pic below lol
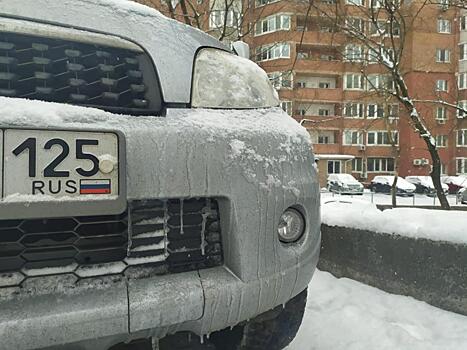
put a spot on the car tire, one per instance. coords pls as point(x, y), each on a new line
point(273, 330)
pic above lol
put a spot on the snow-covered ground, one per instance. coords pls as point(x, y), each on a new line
point(343, 314)
point(381, 198)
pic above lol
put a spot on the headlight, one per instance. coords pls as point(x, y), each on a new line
point(291, 226)
point(223, 80)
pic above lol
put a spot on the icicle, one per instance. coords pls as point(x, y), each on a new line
point(181, 216)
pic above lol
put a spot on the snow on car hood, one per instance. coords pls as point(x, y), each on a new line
point(388, 180)
point(456, 180)
point(347, 179)
point(425, 181)
point(169, 43)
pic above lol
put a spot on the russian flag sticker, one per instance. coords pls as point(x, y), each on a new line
point(94, 186)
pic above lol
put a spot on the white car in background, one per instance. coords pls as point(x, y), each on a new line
point(424, 184)
point(344, 184)
point(383, 184)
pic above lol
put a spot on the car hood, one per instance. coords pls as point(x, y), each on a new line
point(169, 43)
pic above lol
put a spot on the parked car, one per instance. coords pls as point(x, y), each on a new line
point(455, 183)
point(344, 184)
point(424, 184)
point(462, 195)
point(141, 163)
point(383, 184)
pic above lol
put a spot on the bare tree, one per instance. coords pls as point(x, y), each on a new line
point(384, 42)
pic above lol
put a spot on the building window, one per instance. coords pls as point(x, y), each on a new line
point(462, 81)
point(324, 139)
point(380, 165)
point(441, 141)
point(323, 112)
point(462, 138)
point(280, 80)
point(357, 24)
point(272, 24)
point(462, 111)
point(271, 52)
point(393, 111)
point(442, 85)
point(287, 107)
point(352, 137)
point(353, 81)
point(357, 165)
point(375, 111)
point(443, 4)
point(382, 138)
point(441, 113)
point(463, 23)
point(264, 2)
point(463, 51)
point(217, 17)
point(443, 169)
point(354, 2)
point(353, 53)
point(377, 81)
point(461, 165)
point(443, 55)
point(353, 110)
point(384, 28)
point(334, 166)
point(444, 26)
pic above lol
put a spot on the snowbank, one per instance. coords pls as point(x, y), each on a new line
point(438, 225)
point(343, 314)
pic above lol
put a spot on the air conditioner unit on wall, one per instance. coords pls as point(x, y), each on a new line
point(363, 176)
point(362, 147)
point(441, 121)
point(417, 162)
point(425, 161)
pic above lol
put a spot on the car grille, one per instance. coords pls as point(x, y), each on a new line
point(77, 73)
point(173, 235)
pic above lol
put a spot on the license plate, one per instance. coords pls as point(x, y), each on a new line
point(59, 164)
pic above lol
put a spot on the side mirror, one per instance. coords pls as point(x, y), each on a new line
point(242, 49)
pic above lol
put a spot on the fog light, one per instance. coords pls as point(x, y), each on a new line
point(291, 226)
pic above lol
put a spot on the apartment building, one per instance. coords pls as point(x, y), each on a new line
point(329, 83)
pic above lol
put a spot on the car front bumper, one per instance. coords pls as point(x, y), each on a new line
point(100, 314)
point(257, 163)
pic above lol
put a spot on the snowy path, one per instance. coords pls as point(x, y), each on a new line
point(343, 314)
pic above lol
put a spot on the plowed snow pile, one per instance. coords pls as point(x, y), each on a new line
point(343, 314)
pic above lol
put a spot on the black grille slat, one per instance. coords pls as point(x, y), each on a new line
point(72, 72)
point(192, 240)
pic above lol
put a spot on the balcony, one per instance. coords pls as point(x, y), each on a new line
point(306, 65)
point(318, 95)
